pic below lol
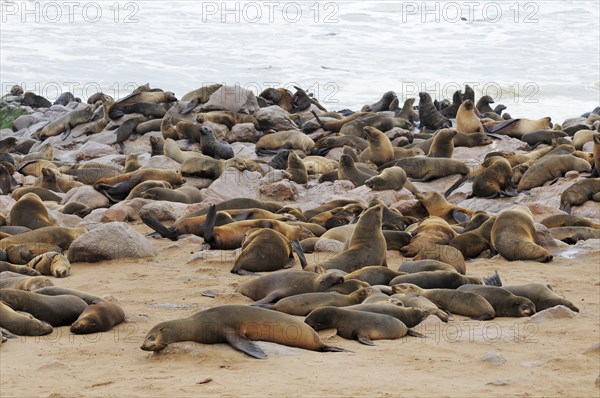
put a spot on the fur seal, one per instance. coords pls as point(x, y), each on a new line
point(347, 170)
point(210, 168)
point(212, 147)
point(357, 325)
point(472, 243)
point(263, 250)
point(382, 105)
point(22, 324)
point(297, 169)
point(442, 279)
point(291, 139)
point(59, 236)
point(535, 138)
point(422, 168)
point(379, 122)
point(132, 163)
point(374, 275)
point(596, 154)
point(444, 253)
point(433, 230)
point(541, 296)
point(124, 105)
point(458, 302)
point(274, 286)
point(12, 280)
point(471, 140)
point(411, 317)
point(23, 253)
point(51, 263)
point(451, 111)
point(495, 180)
point(517, 127)
point(411, 267)
point(572, 235)
point(185, 194)
point(60, 291)
point(413, 300)
point(513, 236)
point(238, 326)
point(565, 220)
point(66, 122)
point(30, 212)
point(56, 310)
point(442, 145)
point(466, 119)
point(551, 167)
point(367, 244)
point(437, 205)
point(393, 178)
point(99, 316)
point(504, 302)
point(579, 193)
point(429, 116)
point(380, 149)
point(18, 269)
point(117, 188)
point(303, 304)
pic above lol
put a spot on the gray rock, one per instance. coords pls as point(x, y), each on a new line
point(560, 311)
point(88, 195)
point(161, 162)
point(493, 358)
point(111, 241)
point(274, 117)
point(279, 191)
point(93, 150)
point(243, 132)
point(162, 210)
point(232, 98)
point(233, 184)
point(329, 246)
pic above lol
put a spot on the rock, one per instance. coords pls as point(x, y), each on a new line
point(243, 132)
point(388, 197)
point(543, 236)
point(439, 184)
point(232, 98)
point(111, 241)
point(493, 358)
point(114, 214)
point(88, 195)
point(244, 150)
point(329, 246)
point(163, 211)
point(26, 121)
point(64, 220)
point(233, 184)
point(93, 150)
point(220, 130)
point(95, 216)
point(279, 191)
point(6, 203)
point(560, 311)
point(334, 154)
point(107, 137)
point(161, 162)
point(127, 210)
point(274, 176)
point(137, 146)
point(594, 349)
point(276, 118)
point(589, 209)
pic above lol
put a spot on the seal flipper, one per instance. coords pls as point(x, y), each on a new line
point(158, 227)
point(456, 185)
point(364, 340)
point(329, 348)
point(209, 293)
point(460, 216)
point(269, 298)
point(209, 225)
point(412, 333)
point(298, 249)
point(566, 207)
point(242, 344)
point(191, 105)
point(493, 280)
point(67, 131)
point(501, 125)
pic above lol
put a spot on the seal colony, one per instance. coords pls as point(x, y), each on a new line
point(276, 176)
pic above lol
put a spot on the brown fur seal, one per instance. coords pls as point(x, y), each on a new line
point(433, 230)
point(451, 111)
point(210, 168)
point(535, 138)
point(551, 167)
point(423, 168)
point(347, 170)
point(579, 193)
point(23, 253)
point(442, 145)
point(30, 212)
point(374, 275)
point(444, 253)
point(471, 140)
point(565, 220)
point(239, 326)
point(62, 237)
point(296, 169)
point(441, 279)
point(272, 287)
point(411, 317)
point(380, 149)
point(117, 188)
point(495, 180)
point(513, 236)
point(429, 116)
point(572, 235)
point(22, 324)
point(437, 205)
point(393, 178)
point(472, 243)
point(66, 122)
point(367, 244)
point(411, 267)
point(132, 163)
point(185, 194)
point(455, 301)
point(99, 316)
point(125, 105)
point(358, 325)
point(18, 269)
point(596, 153)
point(11, 280)
point(466, 119)
point(383, 104)
point(264, 250)
point(517, 127)
point(303, 304)
point(291, 139)
point(60, 291)
point(51, 263)
point(56, 310)
point(540, 295)
point(413, 300)
point(504, 302)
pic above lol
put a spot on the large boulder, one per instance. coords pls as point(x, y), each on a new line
point(276, 118)
point(111, 241)
point(88, 195)
point(231, 98)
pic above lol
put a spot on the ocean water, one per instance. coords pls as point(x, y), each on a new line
point(539, 58)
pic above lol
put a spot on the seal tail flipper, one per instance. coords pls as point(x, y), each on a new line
point(412, 333)
point(267, 306)
point(566, 207)
point(318, 120)
point(456, 185)
point(244, 345)
point(460, 216)
point(209, 293)
point(188, 108)
point(411, 187)
point(158, 227)
point(209, 224)
point(299, 252)
point(493, 280)
point(329, 348)
point(364, 340)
